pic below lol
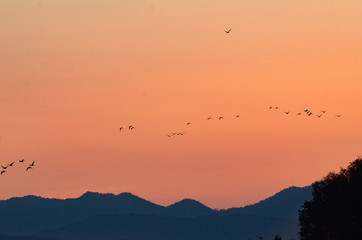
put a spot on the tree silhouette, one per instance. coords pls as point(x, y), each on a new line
point(335, 212)
point(277, 237)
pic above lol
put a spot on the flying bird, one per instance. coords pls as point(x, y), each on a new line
point(320, 115)
point(4, 167)
point(120, 129)
point(228, 31)
point(221, 118)
point(237, 115)
point(310, 113)
point(28, 168)
point(11, 164)
point(339, 115)
point(22, 160)
point(3, 172)
point(208, 118)
point(276, 107)
point(32, 164)
point(270, 107)
point(188, 123)
point(287, 112)
point(169, 135)
point(299, 114)
point(323, 111)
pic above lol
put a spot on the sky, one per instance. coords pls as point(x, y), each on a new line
point(73, 72)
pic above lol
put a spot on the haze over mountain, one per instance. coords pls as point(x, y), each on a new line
point(31, 215)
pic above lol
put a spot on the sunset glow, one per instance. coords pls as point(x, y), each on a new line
point(73, 72)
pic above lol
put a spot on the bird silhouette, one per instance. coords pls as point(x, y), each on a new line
point(4, 167)
point(228, 31)
point(11, 164)
point(120, 129)
point(323, 111)
point(169, 135)
point(22, 160)
point(32, 164)
point(28, 168)
point(270, 107)
point(188, 123)
point(310, 113)
point(276, 107)
point(299, 114)
point(130, 127)
point(237, 115)
point(320, 115)
point(221, 118)
point(208, 118)
point(339, 115)
point(287, 112)
point(3, 171)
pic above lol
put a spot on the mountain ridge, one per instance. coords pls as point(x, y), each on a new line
point(32, 214)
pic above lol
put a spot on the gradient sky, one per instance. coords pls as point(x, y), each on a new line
point(73, 72)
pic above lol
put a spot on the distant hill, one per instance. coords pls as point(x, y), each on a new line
point(30, 215)
point(155, 227)
point(285, 204)
point(6, 237)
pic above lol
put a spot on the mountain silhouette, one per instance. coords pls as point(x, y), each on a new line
point(156, 227)
point(285, 204)
point(6, 237)
point(188, 208)
point(30, 215)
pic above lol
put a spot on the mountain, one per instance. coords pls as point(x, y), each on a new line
point(285, 204)
point(30, 215)
point(188, 208)
point(6, 237)
point(156, 227)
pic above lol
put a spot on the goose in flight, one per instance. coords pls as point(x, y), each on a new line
point(323, 111)
point(11, 164)
point(22, 160)
point(130, 127)
point(270, 107)
point(120, 129)
point(287, 112)
point(4, 167)
point(237, 115)
point(188, 123)
point(169, 135)
point(3, 171)
point(299, 114)
point(208, 118)
point(28, 168)
point(310, 113)
point(276, 107)
point(228, 31)
point(32, 164)
point(320, 115)
point(339, 115)
point(221, 118)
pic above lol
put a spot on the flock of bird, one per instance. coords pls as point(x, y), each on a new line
point(5, 168)
point(308, 112)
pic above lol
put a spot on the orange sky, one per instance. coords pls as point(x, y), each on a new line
point(73, 72)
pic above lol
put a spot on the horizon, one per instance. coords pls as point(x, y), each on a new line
point(72, 73)
point(162, 205)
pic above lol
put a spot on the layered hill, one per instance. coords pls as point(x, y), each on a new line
point(31, 215)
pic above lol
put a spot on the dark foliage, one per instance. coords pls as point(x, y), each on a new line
point(335, 212)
